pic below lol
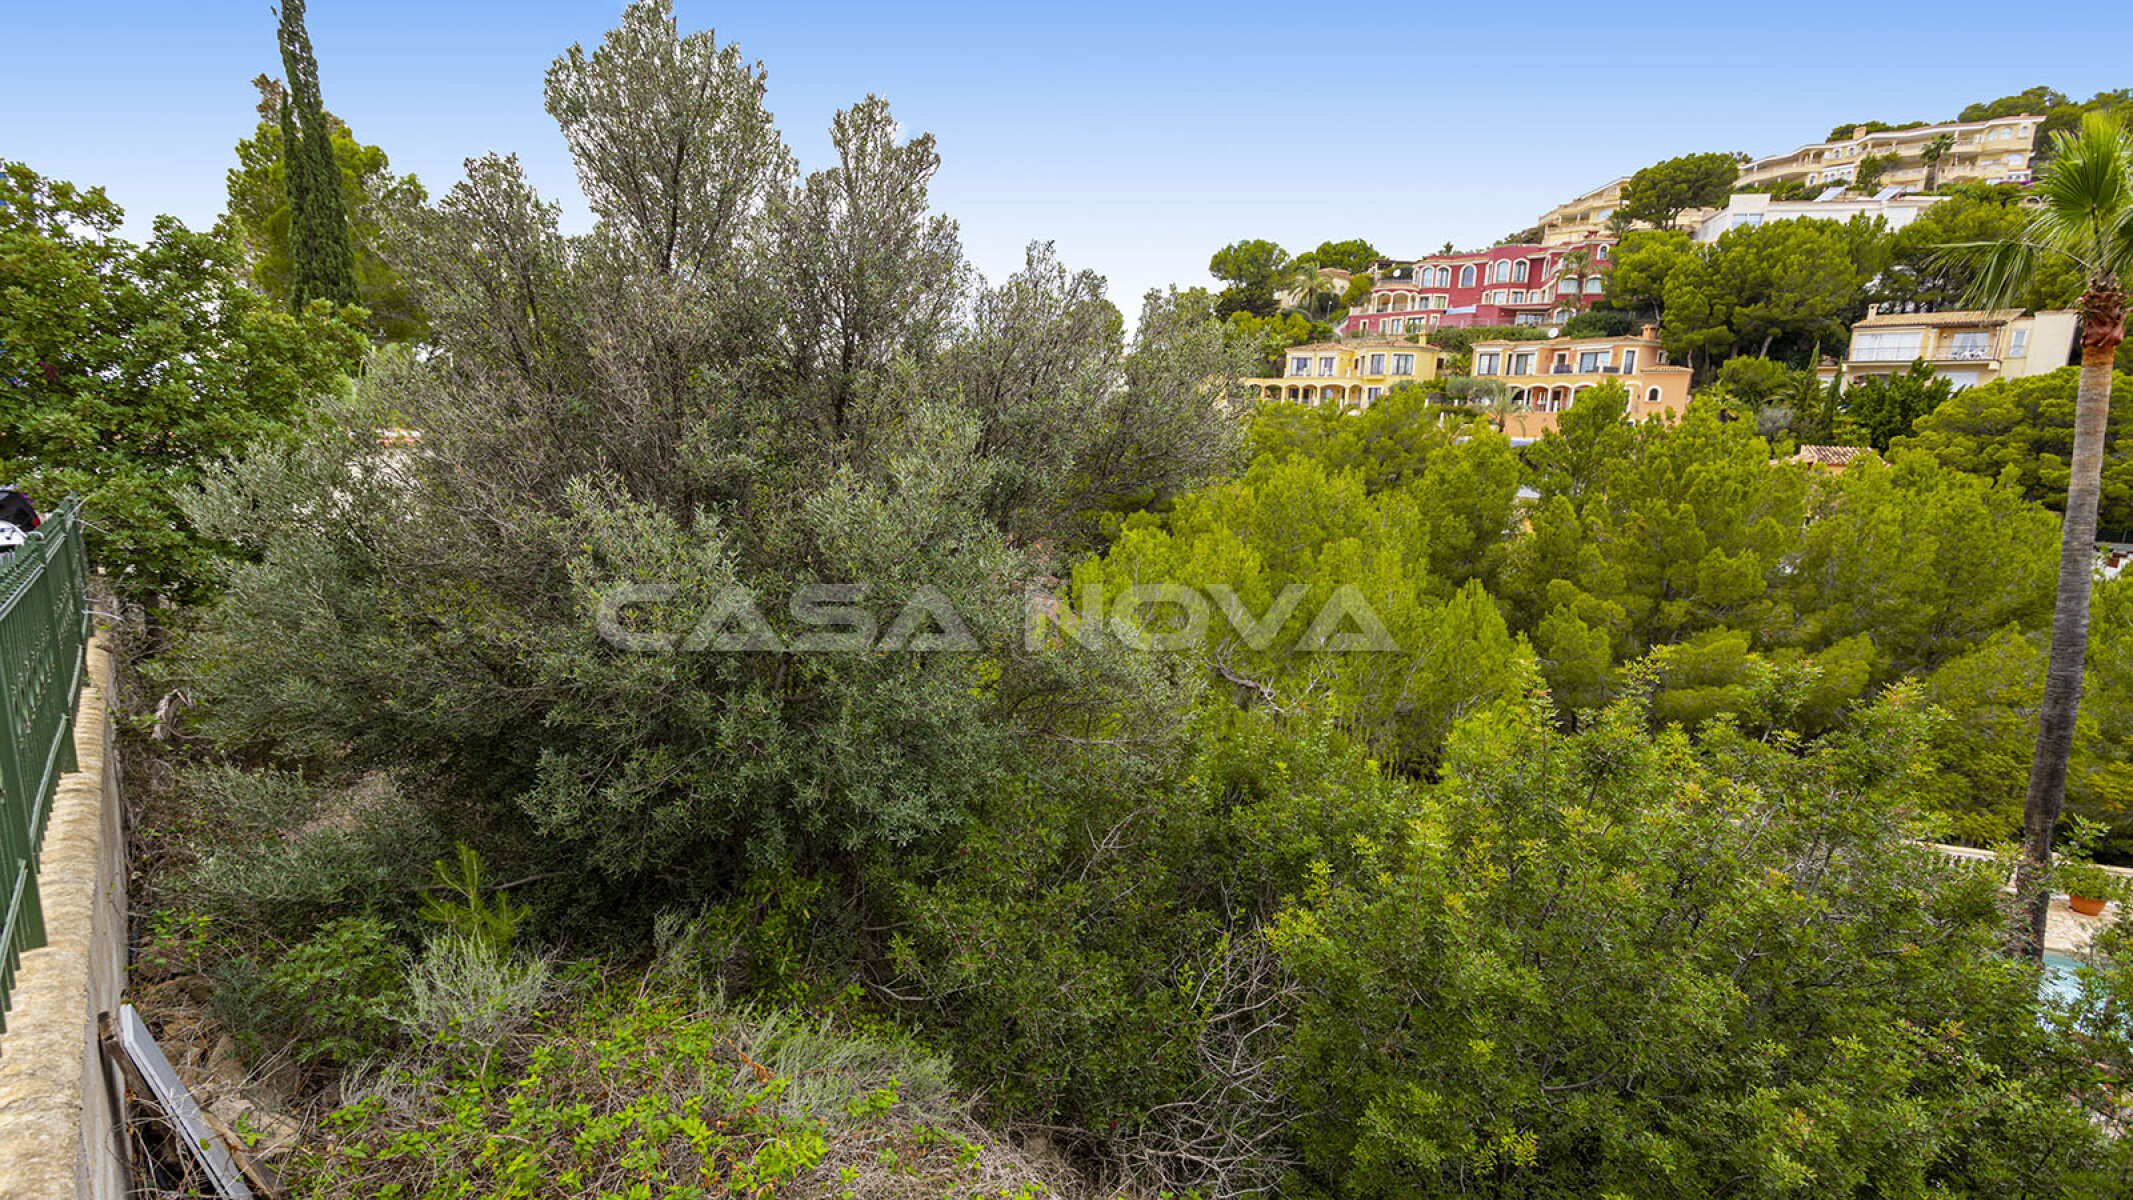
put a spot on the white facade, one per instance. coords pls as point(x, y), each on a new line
point(1747, 209)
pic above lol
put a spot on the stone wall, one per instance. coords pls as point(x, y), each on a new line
point(57, 1133)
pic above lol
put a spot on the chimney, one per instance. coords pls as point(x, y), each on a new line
point(1649, 333)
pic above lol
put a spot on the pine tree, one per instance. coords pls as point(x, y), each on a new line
point(319, 242)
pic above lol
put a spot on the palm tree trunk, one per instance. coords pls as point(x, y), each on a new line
point(2103, 327)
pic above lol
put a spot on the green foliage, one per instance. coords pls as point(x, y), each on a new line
point(321, 251)
point(1353, 255)
point(1580, 969)
point(467, 998)
point(2061, 113)
point(632, 413)
point(1852, 129)
point(259, 219)
point(135, 368)
point(1461, 341)
point(1313, 552)
point(459, 903)
point(1266, 338)
point(1867, 175)
point(1095, 951)
point(1661, 531)
point(1601, 322)
point(274, 855)
point(1645, 261)
point(1253, 271)
point(1983, 748)
point(1920, 277)
point(1660, 192)
point(1886, 406)
point(333, 998)
point(1753, 380)
point(1928, 563)
point(2032, 101)
point(2021, 431)
point(637, 1095)
point(1789, 284)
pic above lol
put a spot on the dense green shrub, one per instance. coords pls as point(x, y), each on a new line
point(1599, 960)
point(275, 854)
point(333, 998)
point(638, 1095)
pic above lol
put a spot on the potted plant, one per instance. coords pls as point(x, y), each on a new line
point(2088, 887)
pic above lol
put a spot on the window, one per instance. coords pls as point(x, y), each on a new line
point(1568, 287)
point(1444, 277)
point(1518, 271)
point(1485, 363)
point(1897, 345)
point(1503, 272)
point(1300, 365)
point(1652, 396)
point(1629, 361)
point(1601, 252)
point(1371, 393)
point(1518, 297)
point(1377, 364)
point(2018, 344)
point(1522, 363)
point(1970, 345)
point(1466, 276)
point(1591, 360)
point(1403, 364)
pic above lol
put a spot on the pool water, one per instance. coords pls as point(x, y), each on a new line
point(2059, 982)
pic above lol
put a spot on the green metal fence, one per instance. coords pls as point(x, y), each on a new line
point(44, 636)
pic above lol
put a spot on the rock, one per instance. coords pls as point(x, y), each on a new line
point(223, 1061)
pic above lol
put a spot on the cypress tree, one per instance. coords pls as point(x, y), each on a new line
point(320, 247)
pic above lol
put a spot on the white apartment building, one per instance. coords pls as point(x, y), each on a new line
point(1747, 209)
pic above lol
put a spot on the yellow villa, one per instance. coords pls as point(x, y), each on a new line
point(1544, 377)
point(1965, 348)
point(1995, 151)
point(1353, 373)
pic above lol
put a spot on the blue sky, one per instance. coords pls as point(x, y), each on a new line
point(1139, 137)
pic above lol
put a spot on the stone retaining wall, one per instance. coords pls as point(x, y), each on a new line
point(57, 1134)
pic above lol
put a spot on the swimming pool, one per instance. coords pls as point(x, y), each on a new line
point(2059, 982)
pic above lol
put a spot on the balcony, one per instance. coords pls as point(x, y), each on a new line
point(1964, 353)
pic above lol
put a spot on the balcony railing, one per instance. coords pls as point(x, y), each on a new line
point(1966, 353)
point(44, 633)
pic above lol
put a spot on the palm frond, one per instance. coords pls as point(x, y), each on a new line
point(2086, 217)
point(1999, 271)
point(2088, 179)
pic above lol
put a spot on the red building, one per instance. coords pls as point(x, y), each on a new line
point(1503, 285)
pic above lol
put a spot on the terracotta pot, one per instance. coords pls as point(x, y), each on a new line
point(2085, 906)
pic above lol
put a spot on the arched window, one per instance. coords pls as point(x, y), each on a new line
point(1503, 272)
point(1444, 277)
point(1466, 275)
point(1518, 271)
point(1652, 396)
